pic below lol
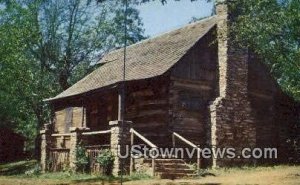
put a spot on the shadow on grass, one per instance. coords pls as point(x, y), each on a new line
point(16, 168)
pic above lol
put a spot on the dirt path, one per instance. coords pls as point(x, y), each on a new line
point(277, 175)
point(262, 175)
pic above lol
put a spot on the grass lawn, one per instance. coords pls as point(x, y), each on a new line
point(22, 173)
point(14, 174)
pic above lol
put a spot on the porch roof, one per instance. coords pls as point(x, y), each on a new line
point(146, 59)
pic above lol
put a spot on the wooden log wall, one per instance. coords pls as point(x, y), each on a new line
point(274, 111)
point(101, 108)
point(147, 107)
point(193, 86)
point(261, 95)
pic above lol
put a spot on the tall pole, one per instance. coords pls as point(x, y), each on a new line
point(122, 98)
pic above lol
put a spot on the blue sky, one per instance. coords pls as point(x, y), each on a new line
point(158, 18)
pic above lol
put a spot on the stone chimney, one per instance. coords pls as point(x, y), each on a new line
point(232, 123)
point(233, 60)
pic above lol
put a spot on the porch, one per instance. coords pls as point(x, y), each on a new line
point(87, 121)
point(119, 137)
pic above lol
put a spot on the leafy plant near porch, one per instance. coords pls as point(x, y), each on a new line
point(82, 159)
point(106, 160)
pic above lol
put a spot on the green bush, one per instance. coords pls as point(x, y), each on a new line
point(106, 160)
point(82, 159)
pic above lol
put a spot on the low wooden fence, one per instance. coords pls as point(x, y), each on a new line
point(58, 159)
point(92, 153)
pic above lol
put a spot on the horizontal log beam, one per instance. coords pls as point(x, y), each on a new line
point(96, 132)
point(61, 135)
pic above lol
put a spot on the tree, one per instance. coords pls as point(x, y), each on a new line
point(73, 35)
point(271, 29)
point(45, 46)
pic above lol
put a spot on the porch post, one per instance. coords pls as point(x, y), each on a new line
point(120, 144)
point(45, 144)
point(75, 139)
point(121, 101)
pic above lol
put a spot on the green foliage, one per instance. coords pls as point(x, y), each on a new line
point(106, 160)
point(270, 28)
point(46, 46)
point(82, 159)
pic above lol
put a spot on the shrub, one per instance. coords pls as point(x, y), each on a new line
point(82, 159)
point(106, 160)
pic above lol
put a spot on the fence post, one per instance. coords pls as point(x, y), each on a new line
point(45, 146)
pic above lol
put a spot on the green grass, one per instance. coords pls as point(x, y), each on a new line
point(19, 170)
point(79, 177)
point(14, 173)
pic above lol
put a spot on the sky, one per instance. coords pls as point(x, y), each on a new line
point(158, 18)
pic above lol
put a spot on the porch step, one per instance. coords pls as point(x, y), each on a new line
point(173, 168)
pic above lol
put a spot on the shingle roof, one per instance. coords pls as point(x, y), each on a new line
point(146, 59)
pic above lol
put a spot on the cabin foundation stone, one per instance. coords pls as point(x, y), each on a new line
point(120, 145)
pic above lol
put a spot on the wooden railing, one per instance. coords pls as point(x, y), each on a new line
point(84, 133)
point(61, 135)
point(135, 133)
point(96, 132)
point(176, 135)
point(60, 139)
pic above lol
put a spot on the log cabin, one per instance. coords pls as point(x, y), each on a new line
point(193, 83)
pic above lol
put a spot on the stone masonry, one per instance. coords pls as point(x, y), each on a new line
point(232, 123)
point(120, 137)
point(75, 139)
